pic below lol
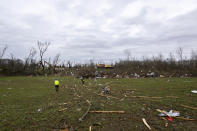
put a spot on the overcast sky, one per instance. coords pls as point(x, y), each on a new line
point(99, 29)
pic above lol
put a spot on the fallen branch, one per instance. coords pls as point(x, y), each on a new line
point(194, 108)
point(144, 120)
point(146, 97)
point(81, 118)
point(172, 97)
point(107, 112)
point(187, 119)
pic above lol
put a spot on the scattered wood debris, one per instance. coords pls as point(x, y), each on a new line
point(63, 109)
point(146, 97)
point(108, 96)
point(194, 108)
point(144, 120)
point(152, 97)
point(122, 112)
point(63, 104)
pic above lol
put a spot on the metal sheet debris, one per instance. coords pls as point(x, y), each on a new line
point(194, 91)
point(171, 113)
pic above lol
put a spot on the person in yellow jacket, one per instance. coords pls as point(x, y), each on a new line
point(56, 85)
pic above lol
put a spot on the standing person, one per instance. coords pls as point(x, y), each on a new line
point(56, 85)
point(82, 80)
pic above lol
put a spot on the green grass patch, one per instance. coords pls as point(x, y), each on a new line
point(31, 103)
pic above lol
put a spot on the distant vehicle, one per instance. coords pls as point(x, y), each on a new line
point(104, 66)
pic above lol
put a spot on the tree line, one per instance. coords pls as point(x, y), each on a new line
point(129, 67)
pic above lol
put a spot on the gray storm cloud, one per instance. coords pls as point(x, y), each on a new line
point(88, 29)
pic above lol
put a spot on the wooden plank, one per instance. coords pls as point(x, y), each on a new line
point(107, 112)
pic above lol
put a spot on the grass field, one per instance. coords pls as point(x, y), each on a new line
point(31, 103)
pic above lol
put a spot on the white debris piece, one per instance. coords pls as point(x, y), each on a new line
point(39, 110)
point(194, 91)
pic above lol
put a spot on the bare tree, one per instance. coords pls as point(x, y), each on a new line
point(160, 57)
point(127, 52)
point(42, 49)
point(31, 55)
point(171, 57)
point(193, 55)
point(55, 61)
point(69, 63)
point(180, 53)
point(2, 53)
point(11, 63)
point(48, 63)
point(193, 60)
